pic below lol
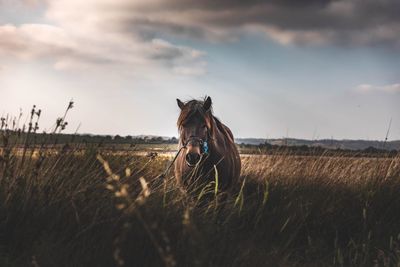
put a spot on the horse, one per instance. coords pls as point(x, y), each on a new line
point(207, 151)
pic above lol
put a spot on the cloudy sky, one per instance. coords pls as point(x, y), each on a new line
point(318, 69)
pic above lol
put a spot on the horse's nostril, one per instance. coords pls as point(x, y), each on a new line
point(192, 158)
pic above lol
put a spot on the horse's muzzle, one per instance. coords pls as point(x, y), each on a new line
point(192, 159)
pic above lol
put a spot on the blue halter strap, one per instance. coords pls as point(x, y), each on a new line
point(203, 144)
point(205, 147)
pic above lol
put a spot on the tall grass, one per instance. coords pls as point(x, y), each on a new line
point(88, 207)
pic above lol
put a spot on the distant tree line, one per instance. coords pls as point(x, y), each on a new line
point(18, 138)
point(267, 148)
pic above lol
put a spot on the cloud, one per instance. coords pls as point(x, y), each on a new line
point(310, 22)
point(133, 33)
point(390, 88)
point(78, 40)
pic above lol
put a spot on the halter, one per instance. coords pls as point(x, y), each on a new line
point(204, 149)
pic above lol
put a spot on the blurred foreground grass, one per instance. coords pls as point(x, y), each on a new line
point(87, 206)
point(107, 209)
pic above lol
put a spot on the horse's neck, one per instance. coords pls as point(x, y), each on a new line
point(221, 135)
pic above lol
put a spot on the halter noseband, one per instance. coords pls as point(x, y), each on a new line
point(204, 149)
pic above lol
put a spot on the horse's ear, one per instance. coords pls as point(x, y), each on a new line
point(207, 104)
point(181, 105)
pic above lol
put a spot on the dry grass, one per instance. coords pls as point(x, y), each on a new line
point(96, 208)
point(339, 169)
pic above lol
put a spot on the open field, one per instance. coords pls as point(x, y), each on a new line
point(173, 133)
point(91, 207)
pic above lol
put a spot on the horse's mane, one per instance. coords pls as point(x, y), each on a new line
point(224, 130)
point(192, 108)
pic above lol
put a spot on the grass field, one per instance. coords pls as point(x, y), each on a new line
point(91, 207)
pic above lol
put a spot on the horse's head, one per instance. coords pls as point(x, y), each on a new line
point(194, 123)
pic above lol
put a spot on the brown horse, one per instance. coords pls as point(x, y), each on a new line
point(207, 148)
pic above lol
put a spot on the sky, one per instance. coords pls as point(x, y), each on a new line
point(304, 69)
